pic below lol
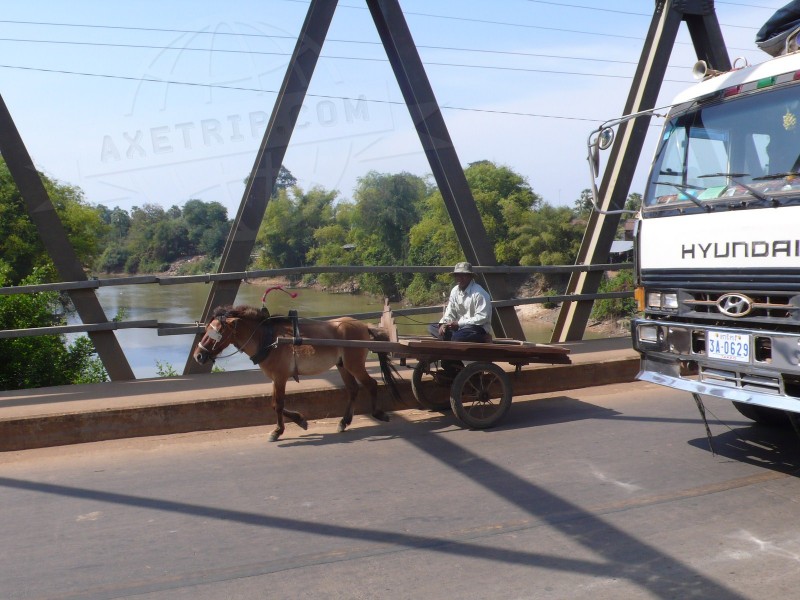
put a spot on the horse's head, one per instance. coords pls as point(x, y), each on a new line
point(219, 334)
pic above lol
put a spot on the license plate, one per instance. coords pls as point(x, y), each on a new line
point(728, 346)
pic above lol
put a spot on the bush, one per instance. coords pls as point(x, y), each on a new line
point(112, 260)
point(30, 362)
point(550, 305)
point(199, 267)
point(426, 290)
point(615, 308)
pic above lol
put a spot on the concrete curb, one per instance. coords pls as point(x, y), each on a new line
point(170, 416)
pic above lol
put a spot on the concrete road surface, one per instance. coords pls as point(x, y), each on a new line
point(601, 493)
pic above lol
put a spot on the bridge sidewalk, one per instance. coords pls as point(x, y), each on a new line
point(73, 414)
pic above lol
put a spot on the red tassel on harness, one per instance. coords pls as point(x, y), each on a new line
point(276, 287)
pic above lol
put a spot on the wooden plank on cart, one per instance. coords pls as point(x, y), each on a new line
point(488, 352)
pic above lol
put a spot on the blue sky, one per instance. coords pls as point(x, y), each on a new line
point(162, 102)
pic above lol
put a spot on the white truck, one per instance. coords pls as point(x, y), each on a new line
point(718, 241)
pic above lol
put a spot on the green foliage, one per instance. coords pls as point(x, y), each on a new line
point(113, 259)
point(207, 264)
point(386, 208)
point(284, 181)
point(550, 236)
point(206, 225)
point(550, 305)
point(287, 231)
point(506, 204)
point(30, 362)
point(424, 290)
point(504, 200)
point(634, 202)
point(615, 308)
point(150, 238)
point(583, 205)
point(20, 244)
point(331, 248)
point(165, 369)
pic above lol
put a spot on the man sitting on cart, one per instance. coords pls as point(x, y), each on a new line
point(468, 314)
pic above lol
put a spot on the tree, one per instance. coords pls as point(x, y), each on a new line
point(332, 245)
point(20, 244)
point(29, 362)
point(287, 231)
point(143, 255)
point(583, 205)
point(550, 237)
point(634, 202)
point(506, 203)
point(284, 181)
point(386, 207)
point(503, 198)
point(207, 226)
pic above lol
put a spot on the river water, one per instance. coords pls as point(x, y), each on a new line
point(150, 354)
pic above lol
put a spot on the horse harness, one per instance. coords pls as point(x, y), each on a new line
point(269, 340)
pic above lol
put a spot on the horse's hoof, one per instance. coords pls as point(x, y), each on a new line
point(303, 424)
point(273, 437)
point(342, 426)
point(381, 416)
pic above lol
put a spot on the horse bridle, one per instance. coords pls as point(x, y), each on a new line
point(217, 336)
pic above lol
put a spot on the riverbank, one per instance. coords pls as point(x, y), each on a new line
point(528, 313)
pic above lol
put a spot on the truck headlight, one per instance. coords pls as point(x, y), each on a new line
point(670, 301)
point(662, 300)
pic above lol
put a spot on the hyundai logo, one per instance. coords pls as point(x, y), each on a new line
point(735, 305)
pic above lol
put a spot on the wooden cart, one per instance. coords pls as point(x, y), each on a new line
point(480, 391)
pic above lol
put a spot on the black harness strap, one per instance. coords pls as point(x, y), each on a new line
point(292, 314)
point(267, 344)
point(269, 341)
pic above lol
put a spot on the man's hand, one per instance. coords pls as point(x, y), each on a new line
point(452, 325)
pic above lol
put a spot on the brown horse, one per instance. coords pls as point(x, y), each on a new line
point(254, 332)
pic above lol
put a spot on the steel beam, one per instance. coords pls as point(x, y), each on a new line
point(44, 217)
point(261, 183)
point(709, 46)
point(441, 154)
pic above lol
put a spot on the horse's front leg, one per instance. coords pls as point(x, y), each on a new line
point(278, 399)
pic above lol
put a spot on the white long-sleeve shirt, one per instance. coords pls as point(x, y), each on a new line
point(472, 306)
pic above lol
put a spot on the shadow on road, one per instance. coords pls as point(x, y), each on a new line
point(615, 553)
point(774, 448)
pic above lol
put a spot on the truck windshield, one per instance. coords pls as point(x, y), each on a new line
point(739, 153)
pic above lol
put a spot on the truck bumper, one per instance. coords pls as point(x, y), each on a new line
point(674, 355)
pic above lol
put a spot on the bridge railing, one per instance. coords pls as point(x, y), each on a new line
point(193, 328)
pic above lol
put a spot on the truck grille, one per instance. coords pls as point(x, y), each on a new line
point(763, 306)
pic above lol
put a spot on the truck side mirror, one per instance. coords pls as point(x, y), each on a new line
point(603, 140)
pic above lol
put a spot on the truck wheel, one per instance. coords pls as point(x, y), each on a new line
point(763, 415)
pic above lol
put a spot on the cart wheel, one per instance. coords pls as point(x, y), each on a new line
point(427, 371)
point(481, 395)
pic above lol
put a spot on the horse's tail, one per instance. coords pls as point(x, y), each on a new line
point(389, 372)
